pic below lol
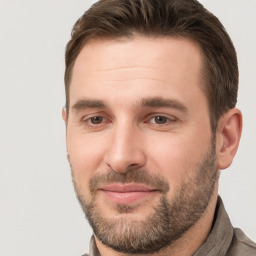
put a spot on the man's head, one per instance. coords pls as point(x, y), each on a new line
point(151, 87)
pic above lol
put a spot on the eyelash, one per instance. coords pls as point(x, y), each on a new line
point(167, 119)
point(89, 121)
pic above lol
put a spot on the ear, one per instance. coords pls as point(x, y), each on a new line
point(228, 137)
point(64, 114)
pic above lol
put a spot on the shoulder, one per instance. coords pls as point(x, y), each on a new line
point(241, 244)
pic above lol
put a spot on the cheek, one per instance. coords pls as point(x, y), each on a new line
point(85, 154)
point(176, 157)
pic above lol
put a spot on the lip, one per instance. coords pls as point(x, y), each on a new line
point(127, 193)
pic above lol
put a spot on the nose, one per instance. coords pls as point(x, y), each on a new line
point(125, 149)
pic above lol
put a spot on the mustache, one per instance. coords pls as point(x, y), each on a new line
point(131, 176)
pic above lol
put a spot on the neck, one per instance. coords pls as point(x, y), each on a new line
point(187, 245)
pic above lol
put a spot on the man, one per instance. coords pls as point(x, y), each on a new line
point(151, 89)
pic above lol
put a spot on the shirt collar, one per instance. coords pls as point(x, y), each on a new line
point(221, 235)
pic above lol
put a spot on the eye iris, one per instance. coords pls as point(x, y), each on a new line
point(160, 120)
point(96, 119)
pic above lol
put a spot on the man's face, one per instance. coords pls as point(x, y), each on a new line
point(139, 140)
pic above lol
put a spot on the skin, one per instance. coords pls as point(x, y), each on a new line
point(121, 74)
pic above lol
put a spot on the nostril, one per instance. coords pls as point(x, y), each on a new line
point(133, 165)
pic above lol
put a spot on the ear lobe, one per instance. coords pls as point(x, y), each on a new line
point(64, 114)
point(228, 137)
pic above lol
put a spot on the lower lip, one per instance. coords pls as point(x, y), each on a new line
point(127, 197)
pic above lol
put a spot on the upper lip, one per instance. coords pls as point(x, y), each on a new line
point(125, 188)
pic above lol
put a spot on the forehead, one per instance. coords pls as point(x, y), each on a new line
point(149, 66)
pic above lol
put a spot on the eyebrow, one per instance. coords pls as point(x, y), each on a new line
point(152, 102)
point(163, 103)
point(88, 103)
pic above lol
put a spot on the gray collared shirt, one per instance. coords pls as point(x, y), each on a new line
point(222, 240)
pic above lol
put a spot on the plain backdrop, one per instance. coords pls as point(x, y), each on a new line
point(39, 213)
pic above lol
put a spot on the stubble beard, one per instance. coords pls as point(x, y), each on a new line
point(169, 220)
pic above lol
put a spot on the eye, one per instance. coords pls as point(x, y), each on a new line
point(96, 120)
point(161, 120)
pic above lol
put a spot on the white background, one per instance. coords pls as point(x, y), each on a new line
point(39, 214)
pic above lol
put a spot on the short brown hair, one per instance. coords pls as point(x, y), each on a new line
point(111, 19)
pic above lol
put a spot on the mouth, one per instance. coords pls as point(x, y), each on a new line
point(127, 193)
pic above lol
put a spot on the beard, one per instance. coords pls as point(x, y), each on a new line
point(169, 220)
